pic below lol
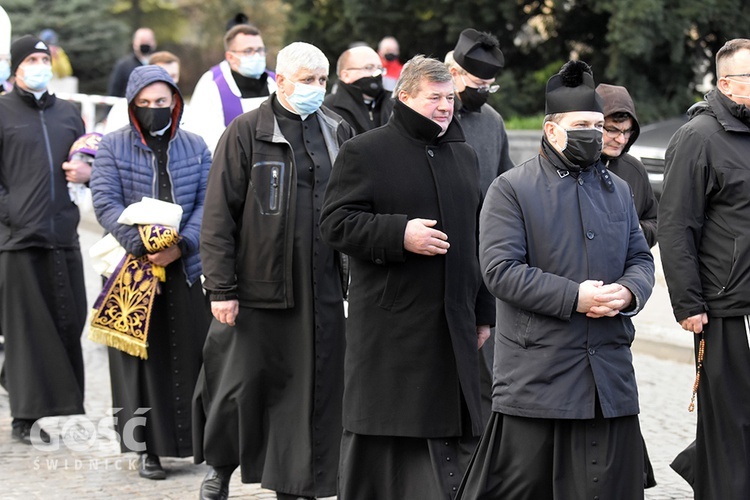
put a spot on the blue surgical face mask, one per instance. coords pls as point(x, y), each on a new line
point(4, 71)
point(252, 66)
point(306, 99)
point(37, 76)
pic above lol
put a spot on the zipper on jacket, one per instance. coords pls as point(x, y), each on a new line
point(51, 168)
point(273, 202)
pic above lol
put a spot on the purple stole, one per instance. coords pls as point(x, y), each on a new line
point(230, 103)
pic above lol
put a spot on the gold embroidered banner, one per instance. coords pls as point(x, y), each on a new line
point(122, 312)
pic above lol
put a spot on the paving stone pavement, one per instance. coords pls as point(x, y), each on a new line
point(87, 464)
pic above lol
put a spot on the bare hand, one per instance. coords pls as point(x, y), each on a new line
point(166, 256)
point(610, 300)
point(586, 293)
point(420, 238)
point(225, 311)
point(483, 333)
point(695, 323)
point(77, 171)
point(597, 300)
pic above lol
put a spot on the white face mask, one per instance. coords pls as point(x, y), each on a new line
point(306, 99)
point(37, 76)
point(252, 66)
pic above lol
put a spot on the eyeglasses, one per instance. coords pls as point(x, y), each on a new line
point(370, 68)
point(738, 74)
point(614, 132)
point(482, 89)
point(261, 51)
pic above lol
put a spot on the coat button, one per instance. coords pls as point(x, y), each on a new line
point(429, 152)
point(580, 181)
point(590, 235)
point(378, 261)
point(592, 351)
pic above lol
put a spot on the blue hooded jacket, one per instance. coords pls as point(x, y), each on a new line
point(125, 171)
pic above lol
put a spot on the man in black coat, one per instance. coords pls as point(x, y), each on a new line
point(42, 293)
point(704, 218)
point(360, 98)
point(621, 130)
point(402, 202)
point(144, 44)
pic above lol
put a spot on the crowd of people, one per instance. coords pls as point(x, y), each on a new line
point(485, 350)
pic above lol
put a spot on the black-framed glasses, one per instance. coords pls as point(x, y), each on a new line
point(614, 132)
point(261, 51)
point(738, 74)
point(370, 68)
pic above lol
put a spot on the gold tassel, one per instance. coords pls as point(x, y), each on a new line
point(159, 272)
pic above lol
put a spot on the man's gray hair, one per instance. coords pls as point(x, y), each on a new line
point(299, 55)
point(418, 68)
point(451, 63)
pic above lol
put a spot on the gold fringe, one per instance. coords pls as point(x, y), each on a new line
point(159, 272)
point(122, 343)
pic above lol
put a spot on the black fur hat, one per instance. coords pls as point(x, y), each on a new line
point(572, 89)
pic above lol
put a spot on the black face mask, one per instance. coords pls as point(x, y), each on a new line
point(584, 146)
point(472, 99)
point(370, 85)
point(145, 49)
point(390, 56)
point(153, 119)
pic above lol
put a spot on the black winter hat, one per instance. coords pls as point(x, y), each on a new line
point(572, 89)
point(479, 54)
point(23, 48)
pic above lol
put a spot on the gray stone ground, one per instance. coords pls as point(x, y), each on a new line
point(87, 463)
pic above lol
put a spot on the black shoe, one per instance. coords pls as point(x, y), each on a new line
point(149, 466)
point(22, 432)
point(215, 486)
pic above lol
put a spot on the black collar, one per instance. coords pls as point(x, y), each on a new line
point(422, 128)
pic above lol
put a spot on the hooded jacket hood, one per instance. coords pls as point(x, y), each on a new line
point(141, 78)
point(616, 99)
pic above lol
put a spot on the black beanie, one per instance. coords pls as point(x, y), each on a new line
point(23, 48)
point(478, 53)
point(572, 89)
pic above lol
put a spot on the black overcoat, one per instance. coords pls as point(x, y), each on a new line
point(411, 353)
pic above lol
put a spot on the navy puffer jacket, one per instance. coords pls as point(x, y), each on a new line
point(125, 171)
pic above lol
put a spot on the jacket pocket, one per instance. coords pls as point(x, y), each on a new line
point(267, 178)
point(522, 327)
point(392, 286)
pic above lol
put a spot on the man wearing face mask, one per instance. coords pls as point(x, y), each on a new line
point(703, 237)
point(360, 97)
point(155, 158)
point(42, 293)
point(236, 85)
point(269, 398)
point(474, 64)
point(389, 53)
point(144, 44)
point(561, 249)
